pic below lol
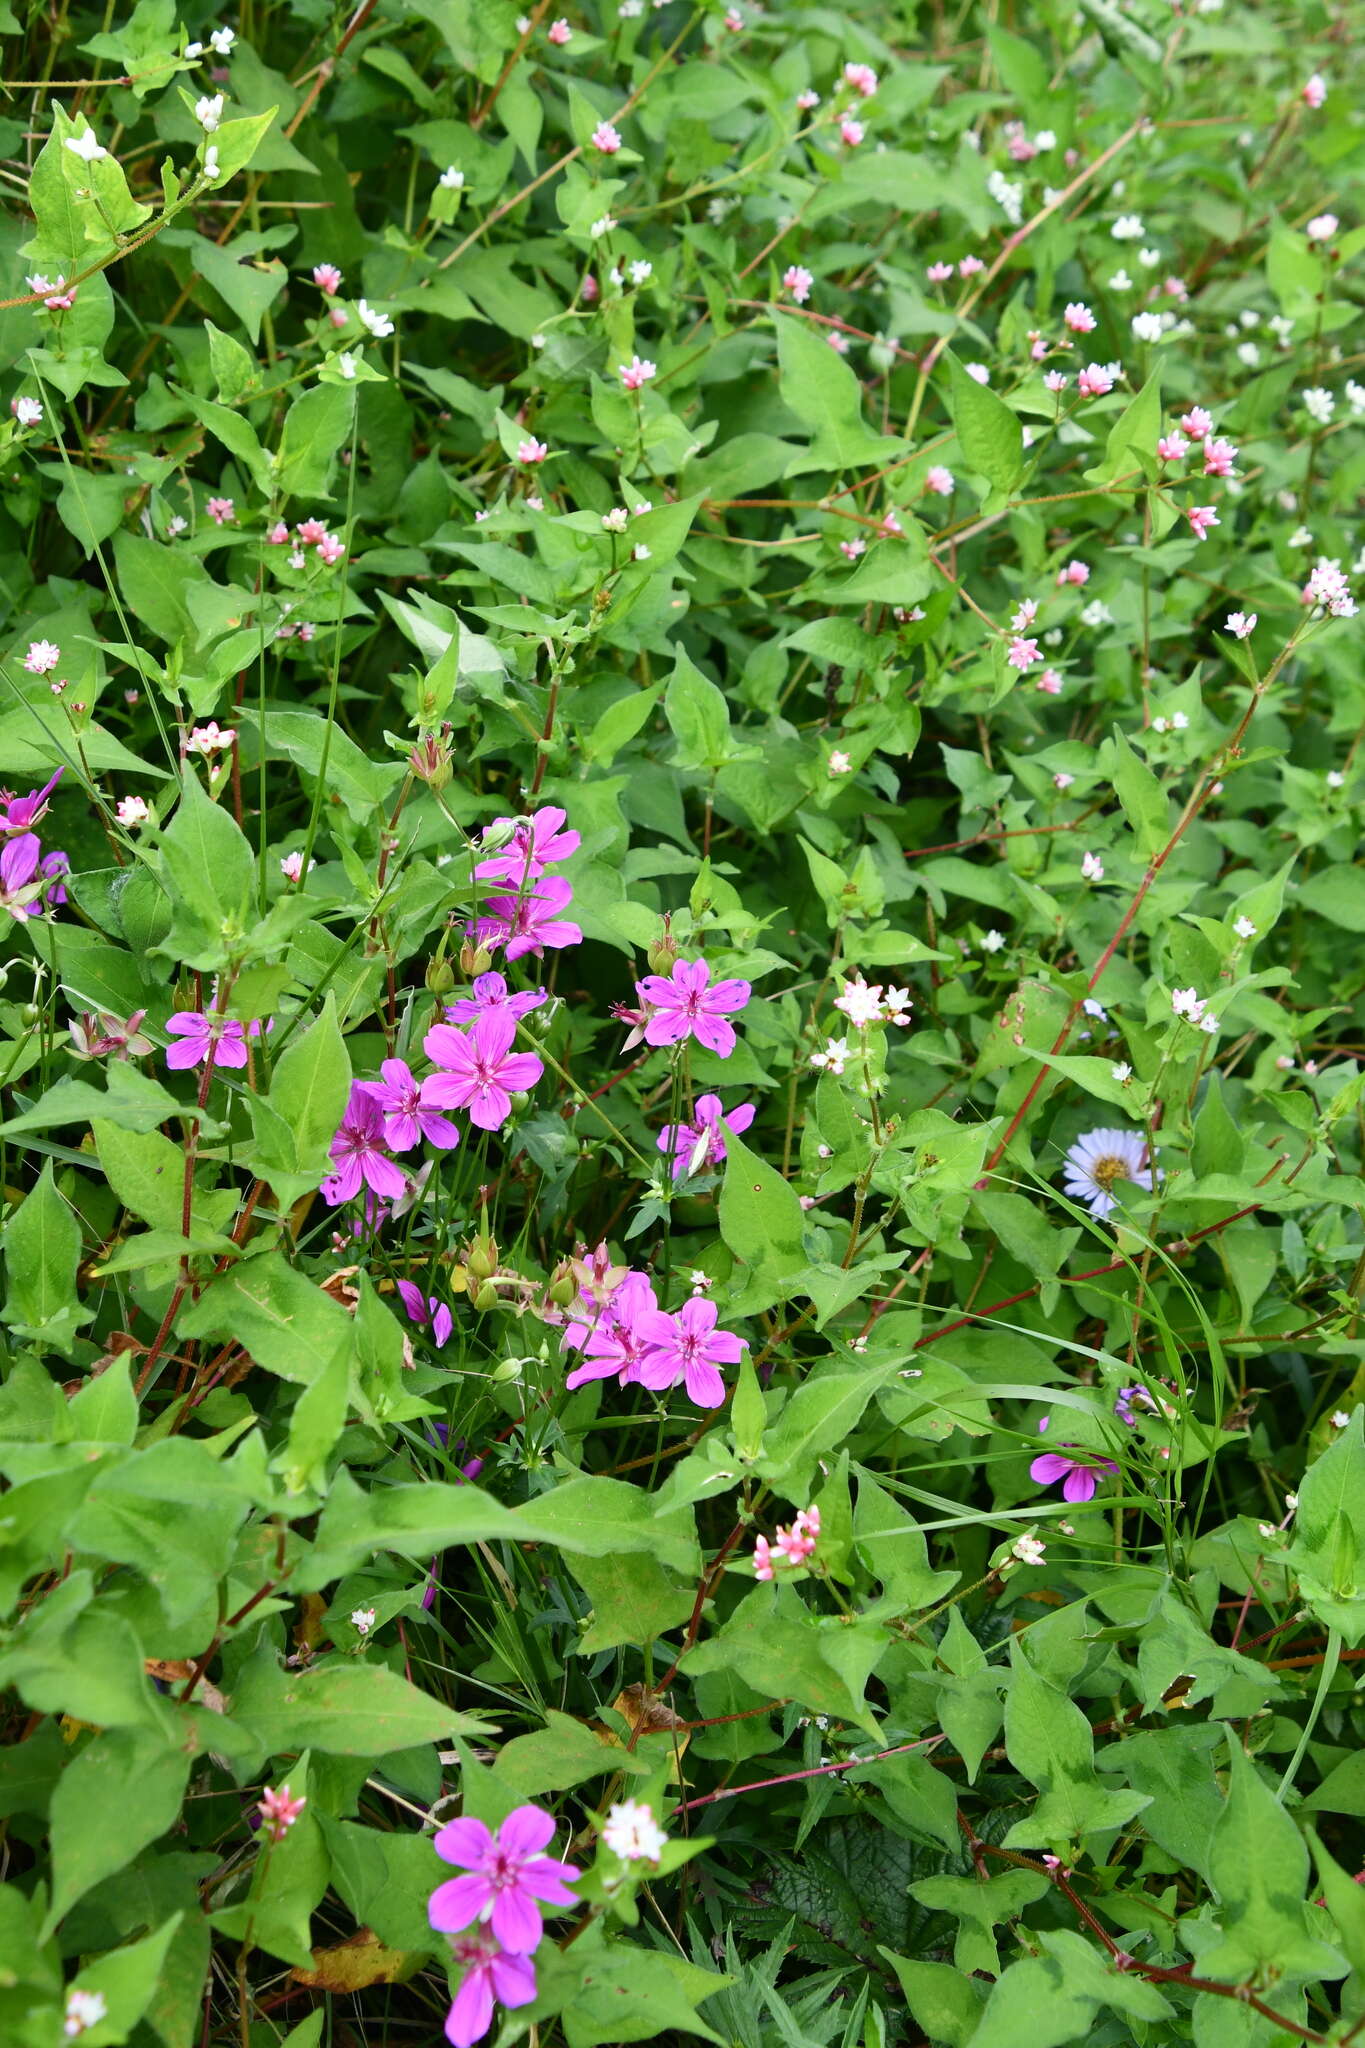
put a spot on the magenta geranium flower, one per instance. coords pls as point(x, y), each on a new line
point(22, 813)
point(20, 881)
point(359, 1154)
point(491, 1974)
point(617, 1344)
point(202, 1033)
point(535, 843)
point(490, 992)
point(530, 922)
point(1081, 1476)
point(428, 1311)
point(687, 1347)
point(410, 1113)
point(683, 1006)
point(702, 1141)
point(508, 1878)
point(482, 1072)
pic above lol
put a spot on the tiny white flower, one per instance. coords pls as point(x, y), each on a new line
point(1128, 228)
point(640, 552)
point(452, 179)
point(631, 1832)
point(1122, 1072)
point(211, 169)
point(1341, 1419)
point(362, 1620)
point(1244, 928)
point(222, 40)
point(992, 941)
point(601, 226)
point(346, 363)
point(378, 323)
point(1147, 326)
point(86, 145)
point(84, 2010)
point(1120, 282)
point(1028, 1550)
point(616, 520)
point(208, 112)
point(1319, 404)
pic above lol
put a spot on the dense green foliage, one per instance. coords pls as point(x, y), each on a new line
point(876, 487)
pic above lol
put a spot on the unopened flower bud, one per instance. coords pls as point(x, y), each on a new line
point(661, 953)
point(563, 1287)
point(439, 976)
point(483, 1259)
point(474, 959)
point(430, 760)
point(520, 1100)
point(486, 1298)
point(508, 1371)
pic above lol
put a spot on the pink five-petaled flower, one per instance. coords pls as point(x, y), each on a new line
point(687, 1347)
point(490, 992)
point(559, 31)
point(530, 450)
point(480, 1073)
point(220, 510)
point(1313, 92)
point(851, 131)
point(279, 1811)
point(637, 372)
point(940, 481)
point(793, 1546)
point(530, 922)
point(507, 1878)
point(862, 78)
point(1197, 422)
point(1201, 518)
point(702, 1141)
point(1080, 1476)
point(359, 1155)
point(683, 1006)
point(797, 280)
point(327, 278)
point(1172, 447)
point(535, 843)
point(204, 1034)
point(1240, 624)
point(606, 138)
point(428, 1311)
point(409, 1112)
point(491, 1973)
point(1095, 380)
point(1079, 318)
point(1021, 653)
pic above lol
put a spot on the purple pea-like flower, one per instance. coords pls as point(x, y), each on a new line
point(359, 1155)
point(410, 1113)
point(428, 1311)
point(507, 1878)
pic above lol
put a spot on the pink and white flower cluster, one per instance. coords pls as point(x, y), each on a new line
point(790, 1546)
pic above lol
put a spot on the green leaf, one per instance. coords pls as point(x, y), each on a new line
point(42, 1245)
point(892, 1546)
point(944, 2004)
point(207, 864)
point(127, 1980)
point(979, 1906)
point(317, 428)
point(340, 1707)
point(561, 1754)
point(237, 142)
point(1328, 1550)
point(773, 1645)
point(309, 1089)
point(155, 581)
point(698, 716)
point(317, 1422)
point(121, 1792)
point(1258, 1870)
point(761, 1222)
point(634, 1599)
point(145, 1171)
point(1346, 1904)
point(823, 392)
point(988, 432)
point(1133, 436)
point(1048, 1740)
point(278, 1316)
point(610, 1991)
point(818, 1417)
point(1338, 894)
point(1142, 797)
point(130, 1099)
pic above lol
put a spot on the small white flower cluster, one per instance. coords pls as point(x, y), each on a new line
point(1193, 1009)
point(1008, 194)
point(1327, 586)
point(631, 1832)
point(865, 1003)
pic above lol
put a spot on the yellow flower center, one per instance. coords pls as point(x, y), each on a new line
point(1109, 1169)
